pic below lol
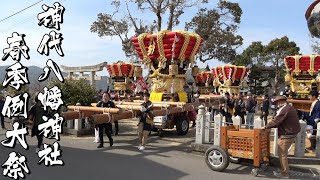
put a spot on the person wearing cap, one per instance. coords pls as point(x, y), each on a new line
point(146, 121)
point(250, 108)
point(287, 123)
point(313, 117)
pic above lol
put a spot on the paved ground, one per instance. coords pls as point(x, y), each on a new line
point(166, 158)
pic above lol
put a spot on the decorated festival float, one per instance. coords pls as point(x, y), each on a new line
point(203, 80)
point(126, 78)
point(230, 78)
point(167, 54)
point(302, 74)
point(221, 79)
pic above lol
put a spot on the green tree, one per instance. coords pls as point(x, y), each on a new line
point(75, 91)
point(13, 92)
point(276, 51)
point(256, 77)
point(254, 54)
point(218, 28)
point(254, 57)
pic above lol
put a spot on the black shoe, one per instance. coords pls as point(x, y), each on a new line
point(100, 146)
point(111, 142)
point(116, 134)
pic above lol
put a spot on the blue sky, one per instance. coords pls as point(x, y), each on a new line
point(261, 21)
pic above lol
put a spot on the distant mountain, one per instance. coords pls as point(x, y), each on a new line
point(34, 72)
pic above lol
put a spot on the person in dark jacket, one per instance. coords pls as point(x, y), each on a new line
point(239, 107)
point(1, 116)
point(106, 102)
point(287, 123)
point(227, 108)
point(146, 121)
point(250, 108)
point(35, 115)
point(265, 109)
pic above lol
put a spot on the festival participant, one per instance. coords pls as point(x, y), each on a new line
point(106, 102)
point(35, 115)
point(239, 107)
point(227, 108)
point(287, 122)
point(196, 96)
point(313, 117)
point(265, 109)
point(250, 108)
point(146, 120)
point(273, 106)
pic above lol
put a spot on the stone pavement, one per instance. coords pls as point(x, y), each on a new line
point(168, 158)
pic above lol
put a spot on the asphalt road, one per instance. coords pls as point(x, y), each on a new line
point(167, 158)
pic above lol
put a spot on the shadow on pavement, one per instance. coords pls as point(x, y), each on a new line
point(91, 165)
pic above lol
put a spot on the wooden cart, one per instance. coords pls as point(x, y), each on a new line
point(240, 143)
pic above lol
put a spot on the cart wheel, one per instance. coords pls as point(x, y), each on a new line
point(254, 172)
point(264, 167)
point(234, 160)
point(217, 158)
point(182, 126)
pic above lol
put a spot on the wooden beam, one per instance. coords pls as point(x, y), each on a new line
point(106, 118)
point(246, 134)
point(164, 102)
point(94, 109)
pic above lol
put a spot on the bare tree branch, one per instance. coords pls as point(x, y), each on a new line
point(131, 19)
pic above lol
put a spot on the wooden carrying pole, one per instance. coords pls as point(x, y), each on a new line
point(137, 107)
point(106, 118)
point(72, 115)
point(213, 96)
point(155, 105)
point(173, 110)
point(164, 102)
point(94, 109)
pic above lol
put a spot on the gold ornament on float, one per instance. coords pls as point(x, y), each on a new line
point(173, 69)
